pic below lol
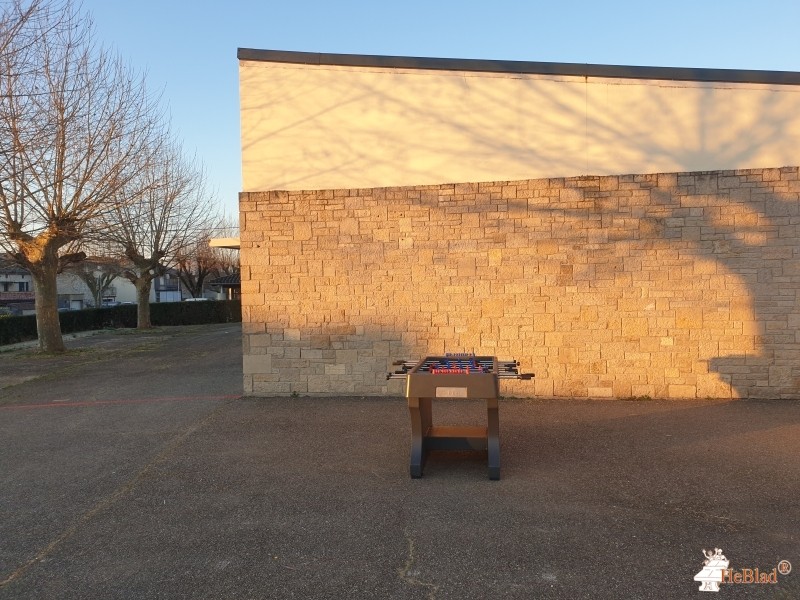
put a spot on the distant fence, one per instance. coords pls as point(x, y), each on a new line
point(21, 329)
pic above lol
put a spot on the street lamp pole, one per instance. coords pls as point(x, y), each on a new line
point(98, 290)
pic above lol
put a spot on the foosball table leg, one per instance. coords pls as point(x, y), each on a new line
point(493, 438)
point(420, 410)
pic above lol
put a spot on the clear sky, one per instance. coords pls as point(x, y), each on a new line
point(188, 47)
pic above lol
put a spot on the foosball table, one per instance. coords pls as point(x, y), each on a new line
point(454, 376)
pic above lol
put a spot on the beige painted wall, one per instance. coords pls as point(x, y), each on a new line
point(326, 127)
point(671, 285)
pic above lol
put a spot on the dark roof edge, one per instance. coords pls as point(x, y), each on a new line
point(514, 66)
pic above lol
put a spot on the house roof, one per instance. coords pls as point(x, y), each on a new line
point(513, 66)
point(227, 280)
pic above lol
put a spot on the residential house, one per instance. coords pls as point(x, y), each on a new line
point(168, 288)
point(75, 294)
point(229, 286)
point(16, 287)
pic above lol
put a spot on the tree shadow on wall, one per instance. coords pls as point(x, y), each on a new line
point(765, 256)
point(758, 246)
point(350, 126)
point(750, 233)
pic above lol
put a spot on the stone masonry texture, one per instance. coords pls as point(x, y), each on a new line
point(668, 285)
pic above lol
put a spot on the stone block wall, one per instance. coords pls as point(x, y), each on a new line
point(668, 285)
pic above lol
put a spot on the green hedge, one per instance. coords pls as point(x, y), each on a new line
point(17, 329)
point(112, 317)
point(20, 329)
point(194, 313)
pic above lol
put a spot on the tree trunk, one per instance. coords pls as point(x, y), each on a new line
point(47, 323)
point(143, 285)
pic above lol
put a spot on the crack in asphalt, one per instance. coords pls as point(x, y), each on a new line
point(410, 575)
point(115, 496)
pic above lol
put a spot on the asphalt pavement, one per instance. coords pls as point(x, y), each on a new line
point(131, 467)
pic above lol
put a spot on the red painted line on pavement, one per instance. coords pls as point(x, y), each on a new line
point(68, 404)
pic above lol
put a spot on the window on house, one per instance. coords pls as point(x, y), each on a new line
point(23, 286)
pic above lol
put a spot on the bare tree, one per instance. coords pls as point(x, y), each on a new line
point(72, 116)
point(196, 264)
point(98, 274)
point(201, 261)
point(170, 208)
